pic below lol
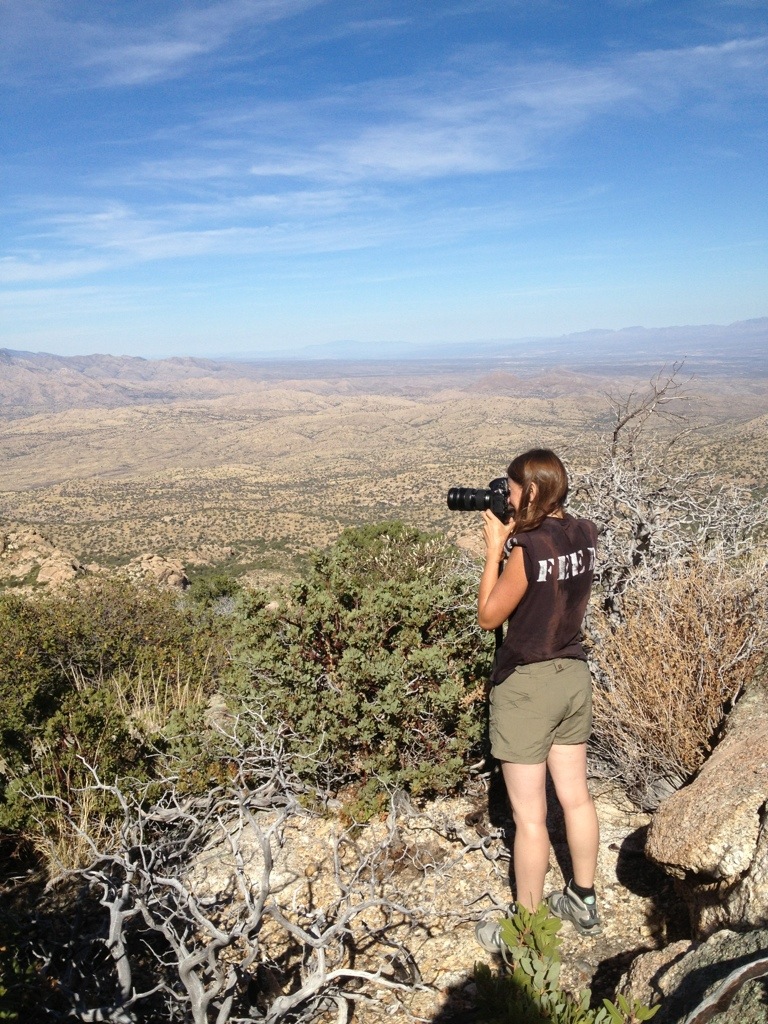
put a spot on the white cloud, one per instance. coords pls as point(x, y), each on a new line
point(167, 48)
point(726, 72)
point(137, 63)
point(460, 121)
point(429, 126)
point(15, 270)
point(44, 39)
point(302, 223)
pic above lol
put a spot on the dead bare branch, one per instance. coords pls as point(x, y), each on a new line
point(193, 911)
point(650, 504)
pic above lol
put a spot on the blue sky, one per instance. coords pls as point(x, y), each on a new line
point(243, 176)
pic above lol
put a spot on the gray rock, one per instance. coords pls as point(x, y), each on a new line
point(684, 974)
point(25, 553)
point(712, 835)
point(164, 571)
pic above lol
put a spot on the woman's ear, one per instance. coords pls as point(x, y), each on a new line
point(533, 492)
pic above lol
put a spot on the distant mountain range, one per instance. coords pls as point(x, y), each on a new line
point(743, 339)
point(32, 382)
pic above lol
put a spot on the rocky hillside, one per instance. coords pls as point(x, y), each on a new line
point(32, 382)
point(30, 561)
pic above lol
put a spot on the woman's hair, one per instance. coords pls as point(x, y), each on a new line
point(542, 467)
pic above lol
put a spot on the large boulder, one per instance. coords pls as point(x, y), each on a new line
point(712, 836)
point(28, 557)
point(685, 974)
point(157, 569)
point(59, 568)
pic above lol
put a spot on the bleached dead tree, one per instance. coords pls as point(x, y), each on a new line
point(196, 922)
point(677, 623)
point(718, 1001)
point(652, 504)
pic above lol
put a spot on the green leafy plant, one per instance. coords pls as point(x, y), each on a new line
point(374, 659)
point(18, 973)
point(107, 676)
point(528, 990)
point(211, 587)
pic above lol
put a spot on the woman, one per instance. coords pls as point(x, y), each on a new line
point(541, 696)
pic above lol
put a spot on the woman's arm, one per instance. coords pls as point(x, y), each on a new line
point(499, 595)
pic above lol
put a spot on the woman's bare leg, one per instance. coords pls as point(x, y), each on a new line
point(568, 767)
point(526, 788)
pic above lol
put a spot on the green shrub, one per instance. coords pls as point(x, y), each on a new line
point(12, 977)
point(32, 680)
point(87, 728)
point(373, 661)
point(529, 990)
point(209, 587)
point(104, 676)
point(113, 624)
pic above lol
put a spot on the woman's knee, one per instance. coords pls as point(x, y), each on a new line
point(575, 799)
point(568, 768)
point(528, 820)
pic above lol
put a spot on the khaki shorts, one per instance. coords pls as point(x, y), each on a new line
point(538, 705)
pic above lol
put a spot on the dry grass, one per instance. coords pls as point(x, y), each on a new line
point(690, 640)
point(72, 817)
point(74, 813)
point(147, 697)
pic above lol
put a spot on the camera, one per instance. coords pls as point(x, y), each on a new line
point(477, 499)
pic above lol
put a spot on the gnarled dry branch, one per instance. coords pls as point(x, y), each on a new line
point(194, 912)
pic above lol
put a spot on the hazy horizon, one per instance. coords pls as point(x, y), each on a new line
point(742, 343)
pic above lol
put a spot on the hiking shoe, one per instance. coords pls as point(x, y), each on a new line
point(582, 913)
point(488, 934)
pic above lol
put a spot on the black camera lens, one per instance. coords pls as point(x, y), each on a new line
point(469, 499)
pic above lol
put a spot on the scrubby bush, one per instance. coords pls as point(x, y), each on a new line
point(375, 657)
point(189, 909)
point(74, 672)
point(529, 991)
point(213, 588)
point(690, 638)
point(87, 729)
point(677, 621)
point(17, 971)
point(653, 502)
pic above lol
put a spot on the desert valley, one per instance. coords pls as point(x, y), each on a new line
point(247, 465)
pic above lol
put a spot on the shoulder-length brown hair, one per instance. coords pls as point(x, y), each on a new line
point(541, 467)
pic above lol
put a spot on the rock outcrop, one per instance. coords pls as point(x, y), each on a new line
point(157, 569)
point(27, 557)
point(712, 836)
point(684, 974)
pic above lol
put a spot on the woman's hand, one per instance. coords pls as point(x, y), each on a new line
point(495, 534)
